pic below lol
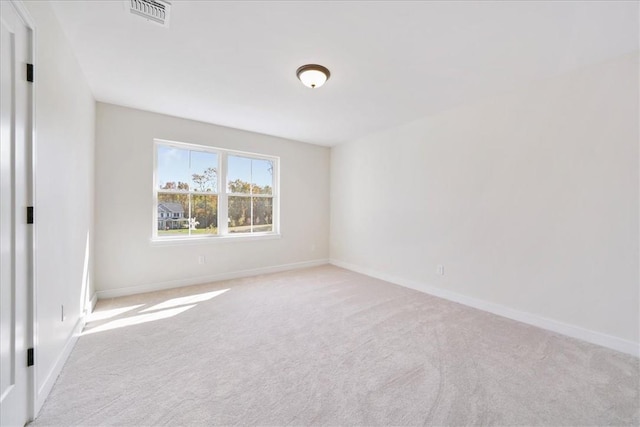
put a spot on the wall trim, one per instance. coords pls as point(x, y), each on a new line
point(92, 302)
point(151, 287)
point(593, 337)
point(44, 390)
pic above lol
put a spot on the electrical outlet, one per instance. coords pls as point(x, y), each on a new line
point(440, 269)
point(202, 259)
point(62, 316)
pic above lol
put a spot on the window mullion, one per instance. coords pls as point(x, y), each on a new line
point(223, 197)
point(172, 191)
point(189, 217)
point(154, 231)
point(251, 194)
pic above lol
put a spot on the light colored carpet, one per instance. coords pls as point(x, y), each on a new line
point(326, 346)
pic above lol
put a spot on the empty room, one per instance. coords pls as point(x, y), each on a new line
point(320, 213)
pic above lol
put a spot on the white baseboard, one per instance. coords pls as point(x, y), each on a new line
point(151, 287)
point(44, 390)
point(93, 302)
point(614, 343)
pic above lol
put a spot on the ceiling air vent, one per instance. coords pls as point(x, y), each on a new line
point(153, 10)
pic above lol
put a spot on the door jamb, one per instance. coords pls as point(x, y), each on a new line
point(30, 133)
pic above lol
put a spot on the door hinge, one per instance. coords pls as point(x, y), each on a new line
point(30, 357)
point(29, 214)
point(30, 73)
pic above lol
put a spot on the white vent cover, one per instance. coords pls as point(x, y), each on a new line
point(153, 10)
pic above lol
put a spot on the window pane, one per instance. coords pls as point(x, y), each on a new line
point(262, 214)
point(173, 210)
point(239, 174)
point(239, 214)
point(204, 214)
point(262, 176)
point(204, 171)
point(248, 191)
point(173, 168)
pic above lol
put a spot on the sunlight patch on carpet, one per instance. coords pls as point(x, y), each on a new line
point(108, 314)
point(139, 319)
point(191, 299)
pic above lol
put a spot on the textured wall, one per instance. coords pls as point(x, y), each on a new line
point(125, 256)
point(529, 200)
point(65, 124)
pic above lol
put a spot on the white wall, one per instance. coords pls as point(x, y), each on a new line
point(127, 261)
point(64, 122)
point(529, 200)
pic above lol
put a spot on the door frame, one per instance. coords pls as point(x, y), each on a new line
point(30, 135)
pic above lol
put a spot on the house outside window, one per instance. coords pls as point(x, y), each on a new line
point(206, 192)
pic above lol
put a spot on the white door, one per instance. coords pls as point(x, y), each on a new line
point(15, 185)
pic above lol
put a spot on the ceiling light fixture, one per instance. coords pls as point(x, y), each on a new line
point(313, 75)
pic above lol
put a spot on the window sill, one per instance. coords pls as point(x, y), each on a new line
point(178, 241)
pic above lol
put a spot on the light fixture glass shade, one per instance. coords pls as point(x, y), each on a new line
point(313, 75)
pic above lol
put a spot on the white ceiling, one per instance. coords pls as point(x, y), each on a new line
point(234, 63)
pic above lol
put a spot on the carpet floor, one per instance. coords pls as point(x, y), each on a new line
point(326, 346)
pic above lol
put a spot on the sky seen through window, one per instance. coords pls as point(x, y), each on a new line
point(179, 165)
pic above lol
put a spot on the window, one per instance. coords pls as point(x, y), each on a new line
point(211, 192)
point(250, 188)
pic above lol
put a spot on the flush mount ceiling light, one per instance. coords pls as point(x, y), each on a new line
point(313, 75)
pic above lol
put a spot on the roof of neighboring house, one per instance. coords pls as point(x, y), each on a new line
point(171, 207)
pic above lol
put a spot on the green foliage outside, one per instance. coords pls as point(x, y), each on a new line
point(204, 207)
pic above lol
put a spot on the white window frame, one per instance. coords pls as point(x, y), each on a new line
point(221, 192)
